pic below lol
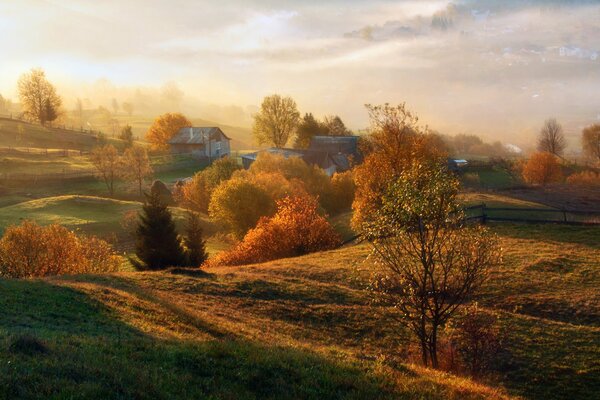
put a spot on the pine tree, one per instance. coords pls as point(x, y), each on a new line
point(195, 245)
point(158, 245)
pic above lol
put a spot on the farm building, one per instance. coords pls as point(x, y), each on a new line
point(202, 142)
point(332, 154)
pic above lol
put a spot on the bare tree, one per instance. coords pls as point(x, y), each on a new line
point(106, 161)
point(551, 138)
point(38, 97)
point(428, 262)
point(276, 121)
point(590, 141)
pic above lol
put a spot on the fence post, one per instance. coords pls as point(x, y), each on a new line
point(564, 215)
point(483, 214)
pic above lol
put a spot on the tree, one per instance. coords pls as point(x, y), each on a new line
point(542, 168)
point(239, 205)
point(79, 110)
point(38, 97)
point(308, 127)
point(395, 142)
point(193, 241)
point(128, 108)
point(551, 138)
point(5, 105)
point(296, 229)
point(115, 106)
point(590, 140)
point(135, 166)
point(276, 121)
point(427, 262)
point(126, 135)
point(334, 126)
point(157, 245)
point(164, 128)
point(106, 161)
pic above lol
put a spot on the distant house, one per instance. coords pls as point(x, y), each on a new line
point(331, 153)
point(456, 165)
point(202, 142)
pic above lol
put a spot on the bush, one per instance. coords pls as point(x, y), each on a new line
point(296, 229)
point(30, 250)
point(584, 178)
point(239, 204)
point(162, 191)
point(541, 169)
point(342, 193)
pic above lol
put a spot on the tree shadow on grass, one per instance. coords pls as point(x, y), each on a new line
point(583, 235)
point(89, 353)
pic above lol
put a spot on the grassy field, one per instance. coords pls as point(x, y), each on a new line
point(296, 328)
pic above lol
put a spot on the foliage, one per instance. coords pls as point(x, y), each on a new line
point(276, 121)
point(29, 250)
point(157, 246)
point(161, 190)
point(395, 142)
point(477, 338)
point(428, 262)
point(307, 128)
point(135, 166)
point(584, 178)
point(38, 97)
point(296, 229)
point(333, 125)
point(193, 241)
point(542, 168)
point(164, 128)
point(551, 138)
point(107, 164)
point(590, 140)
point(196, 194)
point(342, 192)
point(239, 204)
point(126, 135)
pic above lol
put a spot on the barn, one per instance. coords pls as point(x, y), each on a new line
point(202, 142)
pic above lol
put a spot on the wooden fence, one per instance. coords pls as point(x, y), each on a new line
point(482, 213)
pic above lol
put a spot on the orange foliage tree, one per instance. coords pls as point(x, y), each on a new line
point(395, 142)
point(541, 169)
point(164, 128)
point(29, 250)
point(296, 229)
point(584, 178)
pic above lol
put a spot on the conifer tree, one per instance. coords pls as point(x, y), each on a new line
point(158, 245)
point(195, 245)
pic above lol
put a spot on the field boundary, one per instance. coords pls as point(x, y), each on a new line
point(532, 215)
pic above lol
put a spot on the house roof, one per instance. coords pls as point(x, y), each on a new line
point(320, 158)
point(197, 135)
point(274, 150)
point(335, 144)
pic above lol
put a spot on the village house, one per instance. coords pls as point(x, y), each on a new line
point(331, 153)
point(203, 142)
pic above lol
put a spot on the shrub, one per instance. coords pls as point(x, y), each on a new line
point(342, 192)
point(161, 190)
point(584, 178)
point(296, 229)
point(239, 204)
point(30, 250)
point(541, 169)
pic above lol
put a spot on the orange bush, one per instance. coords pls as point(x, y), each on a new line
point(584, 178)
point(296, 229)
point(541, 169)
point(29, 250)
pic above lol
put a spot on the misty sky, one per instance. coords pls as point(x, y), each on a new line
point(496, 68)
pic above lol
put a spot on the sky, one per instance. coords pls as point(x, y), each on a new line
point(493, 68)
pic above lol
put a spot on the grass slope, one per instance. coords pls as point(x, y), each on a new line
point(295, 328)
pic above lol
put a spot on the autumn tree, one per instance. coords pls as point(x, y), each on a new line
point(296, 229)
point(551, 138)
point(542, 168)
point(38, 97)
point(164, 128)
point(107, 164)
point(307, 128)
point(5, 105)
point(157, 243)
point(194, 242)
point(590, 140)
point(135, 166)
point(126, 135)
point(276, 121)
point(333, 125)
point(395, 142)
point(428, 262)
point(128, 108)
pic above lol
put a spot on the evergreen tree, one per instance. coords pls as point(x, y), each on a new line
point(158, 245)
point(308, 127)
point(195, 245)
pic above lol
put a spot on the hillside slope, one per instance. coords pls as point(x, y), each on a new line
point(294, 328)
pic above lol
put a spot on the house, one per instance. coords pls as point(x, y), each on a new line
point(203, 142)
point(331, 153)
point(456, 165)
